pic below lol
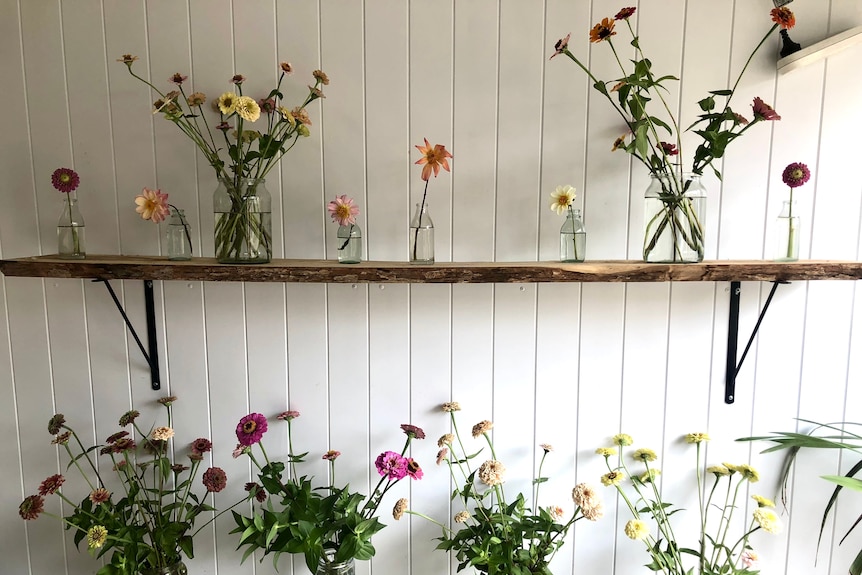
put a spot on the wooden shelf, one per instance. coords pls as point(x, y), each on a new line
point(820, 50)
point(108, 267)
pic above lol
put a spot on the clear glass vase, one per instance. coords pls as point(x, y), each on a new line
point(179, 237)
point(349, 244)
point(243, 221)
point(328, 566)
point(178, 568)
point(674, 217)
point(787, 234)
point(421, 236)
point(573, 238)
point(70, 230)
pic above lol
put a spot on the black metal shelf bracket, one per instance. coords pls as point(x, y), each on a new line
point(149, 303)
point(731, 366)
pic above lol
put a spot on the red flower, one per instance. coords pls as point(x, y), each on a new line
point(669, 149)
point(783, 17)
point(625, 13)
point(763, 111)
point(214, 479)
point(65, 180)
point(51, 485)
point(201, 445)
point(31, 507)
point(413, 431)
point(796, 174)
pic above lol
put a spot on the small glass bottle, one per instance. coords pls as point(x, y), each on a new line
point(349, 244)
point(179, 236)
point(787, 234)
point(573, 238)
point(70, 230)
point(421, 236)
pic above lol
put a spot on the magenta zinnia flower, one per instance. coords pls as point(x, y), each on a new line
point(51, 485)
point(287, 415)
point(795, 174)
point(214, 479)
point(763, 111)
point(391, 465)
point(251, 428)
point(65, 180)
point(343, 210)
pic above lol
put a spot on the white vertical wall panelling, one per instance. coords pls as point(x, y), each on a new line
point(431, 334)
point(600, 388)
point(389, 394)
point(564, 145)
point(432, 82)
point(475, 130)
point(384, 208)
point(607, 174)
point(519, 136)
point(302, 168)
point(558, 333)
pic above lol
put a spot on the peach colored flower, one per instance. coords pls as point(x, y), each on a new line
point(152, 205)
point(433, 159)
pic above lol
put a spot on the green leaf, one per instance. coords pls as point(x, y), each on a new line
point(600, 86)
point(721, 92)
point(707, 104)
point(849, 482)
point(856, 566)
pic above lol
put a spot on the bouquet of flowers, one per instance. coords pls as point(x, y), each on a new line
point(496, 535)
point(150, 524)
point(714, 551)
point(328, 524)
point(675, 214)
point(240, 154)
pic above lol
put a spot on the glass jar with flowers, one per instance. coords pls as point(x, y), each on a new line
point(717, 548)
point(421, 226)
point(674, 204)
point(150, 526)
point(343, 211)
point(787, 225)
point(241, 203)
point(330, 525)
point(153, 205)
point(573, 236)
point(496, 534)
point(70, 227)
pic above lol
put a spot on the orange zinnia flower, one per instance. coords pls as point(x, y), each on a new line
point(783, 17)
point(433, 158)
point(602, 31)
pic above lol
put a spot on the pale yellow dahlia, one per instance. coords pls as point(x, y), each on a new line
point(767, 519)
point(606, 451)
point(644, 454)
point(763, 501)
point(696, 437)
point(748, 472)
point(636, 529)
point(718, 470)
point(562, 198)
point(622, 439)
point(247, 109)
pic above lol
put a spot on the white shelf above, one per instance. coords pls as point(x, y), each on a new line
point(820, 50)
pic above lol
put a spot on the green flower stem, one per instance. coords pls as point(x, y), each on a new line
point(539, 476)
point(575, 256)
point(292, 474)
point(87, 457)
point(446, 530)
point(791, 229)
point(219, 514)
point(192, 473)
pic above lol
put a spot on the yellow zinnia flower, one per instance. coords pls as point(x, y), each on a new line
point(767, 519)
point(763, 501)
point(227, 103)
point(96, 536)
point(606, 451)
point(636, 529)
point(696, 437)
point(613, 478)
point(645, 454)
point(247, 109)
point(622, 439)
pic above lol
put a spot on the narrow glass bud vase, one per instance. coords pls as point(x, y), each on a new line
point(179, 236)
point(573, 238)
point(787, 234)
point(70, 230)
point(349, 244)
point(421, 236)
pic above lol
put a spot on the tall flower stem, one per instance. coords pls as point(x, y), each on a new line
point(419, 225)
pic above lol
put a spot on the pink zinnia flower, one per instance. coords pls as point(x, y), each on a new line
point(331, 455)
point(391, 465)
point(749, 559)
point(100, 495)
point(251, 428)
point(413, 469)
point(561, 46)
point(288, 415)
point(31, 507)
point(223, 126)
point(238, 79)
point(152, 205)
point(413, 431)
point(214, 479)
point(267, 105)
point(343, 210)
point(178, 78)
point(65, 180)
point(763, 111)
point(795, 174)
point(201, 445)
point(51, 485)
point(239, 450)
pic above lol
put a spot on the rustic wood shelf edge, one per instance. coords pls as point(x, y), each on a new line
point(108, 267)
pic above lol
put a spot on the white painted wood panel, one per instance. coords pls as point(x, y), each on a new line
point(569, 365)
